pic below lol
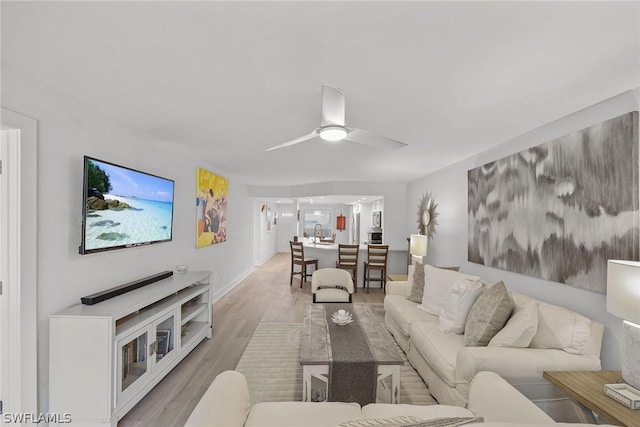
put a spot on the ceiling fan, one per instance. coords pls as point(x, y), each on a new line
point(332, 127)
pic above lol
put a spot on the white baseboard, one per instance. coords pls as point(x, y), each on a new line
point(232, 284)
point(267, 258)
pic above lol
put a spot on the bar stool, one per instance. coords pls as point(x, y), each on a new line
point(348, 260)
point(376, 260)
point(297, 258)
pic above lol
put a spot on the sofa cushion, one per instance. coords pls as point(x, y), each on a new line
point(437, 282)
point(488, 315)
point(521, 326)
point(331, 294)
point(296, 414)
point(561, 328)
point(460, 298)
point(417, 283)
point(225, 403)
point(405, 312)
point(438, 349)
point(494, 399)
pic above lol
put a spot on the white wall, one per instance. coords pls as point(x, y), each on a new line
point(69, 129)
point(449, 246)
point(394, 195)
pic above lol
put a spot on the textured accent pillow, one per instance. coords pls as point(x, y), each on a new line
point(456, 268)
point(417, 285)
point(437, 282)
point(448, 422)
point(460, 299)
point(521, 327)
point(488, 315)
point(402, 420)
point(412, 421)
point(562, 329)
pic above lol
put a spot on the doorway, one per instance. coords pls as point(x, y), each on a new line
point(9, 277)
point(18, 264)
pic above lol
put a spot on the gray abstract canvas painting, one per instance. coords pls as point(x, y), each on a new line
point(560, 210)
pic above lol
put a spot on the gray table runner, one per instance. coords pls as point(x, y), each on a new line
point(352, 370)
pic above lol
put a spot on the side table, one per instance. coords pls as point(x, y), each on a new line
point(587, 388)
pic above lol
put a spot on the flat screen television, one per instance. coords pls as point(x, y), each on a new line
point(123, 207)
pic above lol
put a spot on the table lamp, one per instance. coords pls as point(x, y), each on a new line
point(623, 300)
point(418, 247)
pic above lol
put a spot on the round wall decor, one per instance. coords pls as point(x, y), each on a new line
point(427, 216)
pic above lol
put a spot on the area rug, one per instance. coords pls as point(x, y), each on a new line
point(271, 364)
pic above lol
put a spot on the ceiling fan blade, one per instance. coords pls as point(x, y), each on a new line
point(362, 136)
point(332, 107)
point(294, 141)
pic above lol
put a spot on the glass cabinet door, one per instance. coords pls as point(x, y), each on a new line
point(133, 362)
point(165, 342)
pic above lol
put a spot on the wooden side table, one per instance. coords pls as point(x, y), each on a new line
point(587, 388)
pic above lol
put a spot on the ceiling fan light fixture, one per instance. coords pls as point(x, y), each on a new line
point(332, 133)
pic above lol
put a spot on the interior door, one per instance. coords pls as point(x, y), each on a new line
point(3, 240)
point(19, 240)
point(9, 279)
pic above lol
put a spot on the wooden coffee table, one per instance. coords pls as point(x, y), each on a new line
point(316, 353)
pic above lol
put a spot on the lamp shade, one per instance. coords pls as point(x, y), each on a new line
point(623, 289)
point(418, 245)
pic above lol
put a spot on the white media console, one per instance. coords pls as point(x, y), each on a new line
point(104, 358)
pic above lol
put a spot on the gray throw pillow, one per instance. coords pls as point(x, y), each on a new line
point(488, 315)
point(417, 285)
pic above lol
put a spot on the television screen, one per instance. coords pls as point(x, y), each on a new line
point(124, 207)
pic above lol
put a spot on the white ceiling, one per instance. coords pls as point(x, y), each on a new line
point(450, 79)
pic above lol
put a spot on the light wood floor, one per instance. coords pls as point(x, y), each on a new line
point(264, 296)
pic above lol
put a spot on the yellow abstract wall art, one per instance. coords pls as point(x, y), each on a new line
point(211, 207)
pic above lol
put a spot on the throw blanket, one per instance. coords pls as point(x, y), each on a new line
point(352, 371)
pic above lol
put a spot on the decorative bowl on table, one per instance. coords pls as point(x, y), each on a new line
point(341, 317)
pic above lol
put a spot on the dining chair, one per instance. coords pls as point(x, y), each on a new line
point(376, 261)
point(348, 260)
point(297, 258)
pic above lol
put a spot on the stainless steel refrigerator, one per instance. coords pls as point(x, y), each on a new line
point(355, 228)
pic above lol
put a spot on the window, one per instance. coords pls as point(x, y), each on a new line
point(316, 220)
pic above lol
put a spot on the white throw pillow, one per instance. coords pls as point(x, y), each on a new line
point(521, 326)
point(460, 298)
point(561, 328)
point(437, 282)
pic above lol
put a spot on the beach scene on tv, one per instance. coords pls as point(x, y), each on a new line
point(125, 207)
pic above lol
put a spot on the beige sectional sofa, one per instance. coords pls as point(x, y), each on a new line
point(226, 404)
point(562, 340)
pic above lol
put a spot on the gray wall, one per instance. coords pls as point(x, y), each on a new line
point(449, 246)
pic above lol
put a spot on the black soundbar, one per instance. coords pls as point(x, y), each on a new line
point(122, 289)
